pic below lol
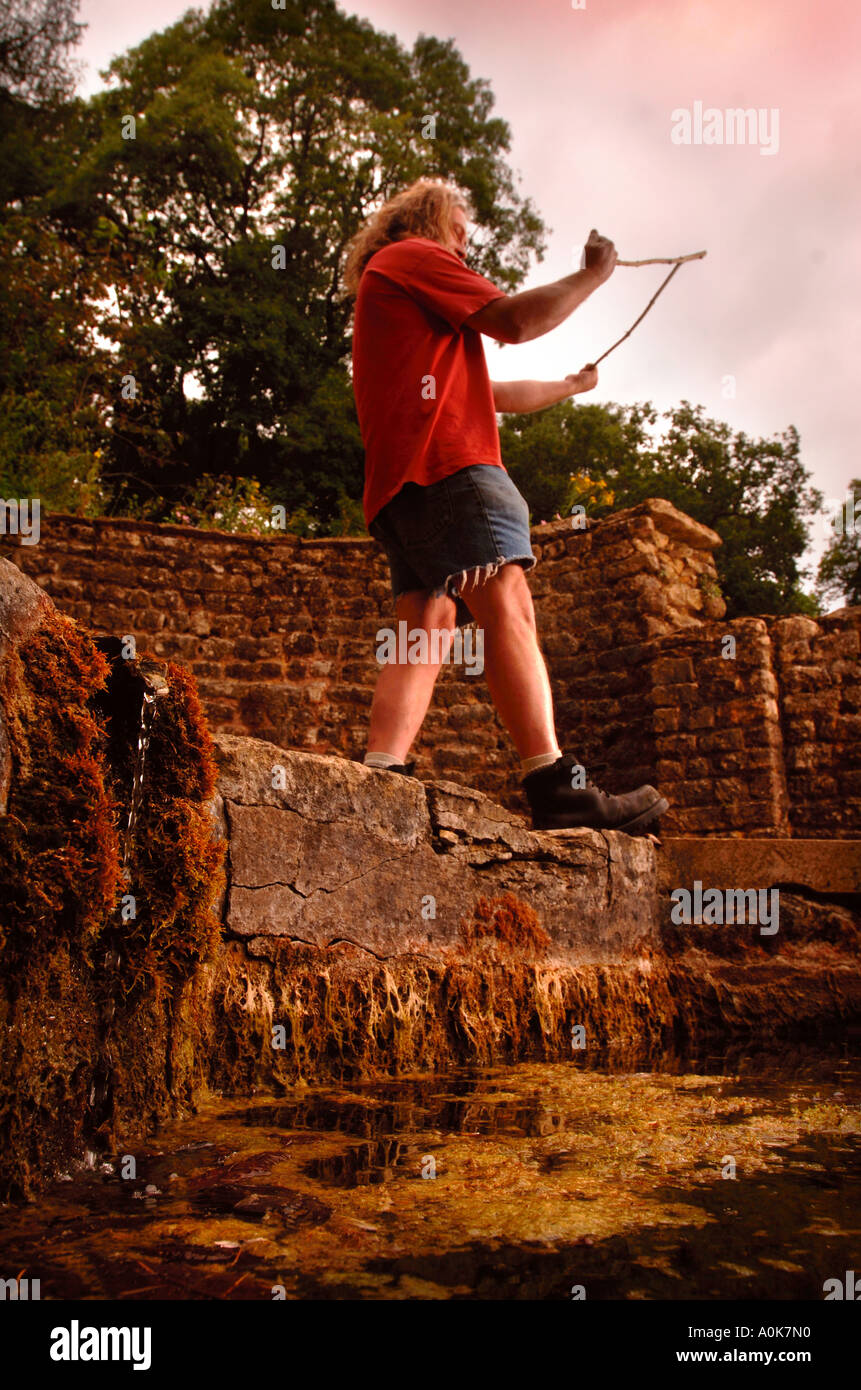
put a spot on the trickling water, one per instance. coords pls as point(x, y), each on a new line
point(148, 711)
point(155, 686)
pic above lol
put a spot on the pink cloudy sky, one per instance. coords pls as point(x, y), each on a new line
point(588, 94)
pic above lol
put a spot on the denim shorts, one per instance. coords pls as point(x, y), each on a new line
point(454, 534)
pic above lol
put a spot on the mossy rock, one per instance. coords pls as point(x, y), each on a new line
point(95, 1000)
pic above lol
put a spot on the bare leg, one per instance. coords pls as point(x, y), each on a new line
point(513, 664)
point(403, 693)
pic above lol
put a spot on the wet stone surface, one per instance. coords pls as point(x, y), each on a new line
point(510, 1182)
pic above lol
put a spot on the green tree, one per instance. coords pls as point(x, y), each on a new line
point(262, 139)
point(35, 39)
point(754, 493)
point(558, 457)
point(37, 77)
point(838, 578)
point(53, 423)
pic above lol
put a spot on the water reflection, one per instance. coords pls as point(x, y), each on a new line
point(704, 1178)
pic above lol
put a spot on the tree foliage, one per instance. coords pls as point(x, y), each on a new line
point(231, 159)
point(754, 493)
point(839, 573)
point(53, 422)
point(35, 39)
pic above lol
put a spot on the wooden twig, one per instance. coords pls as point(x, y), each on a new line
point(640, 319)
point(667, 260)
point(675, 263)
point(238, 1282)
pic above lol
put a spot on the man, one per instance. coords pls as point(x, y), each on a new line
point(437, 496)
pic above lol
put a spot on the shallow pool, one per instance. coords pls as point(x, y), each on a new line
point(722, 1177)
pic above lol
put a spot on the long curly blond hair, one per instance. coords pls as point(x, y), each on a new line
point(426, 209)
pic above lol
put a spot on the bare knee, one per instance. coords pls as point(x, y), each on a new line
point(420, 609)
point(506, 598)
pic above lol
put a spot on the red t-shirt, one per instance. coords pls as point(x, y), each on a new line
point(420, 379)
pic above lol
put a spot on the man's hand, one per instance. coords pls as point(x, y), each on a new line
point(585, 380)
point(599, 256)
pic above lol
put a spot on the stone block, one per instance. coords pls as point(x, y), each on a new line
point(340, 853)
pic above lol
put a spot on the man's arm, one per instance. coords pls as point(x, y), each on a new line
point(518, 318)
point(521, 397)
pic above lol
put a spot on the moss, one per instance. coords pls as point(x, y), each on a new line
point(59, 860)
point(504, 924)
point(98, 1014)
point(493, 998)
point(173, 862)
point(708, 585)
point(174, 875)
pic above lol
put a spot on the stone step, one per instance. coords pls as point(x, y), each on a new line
point(324, 850)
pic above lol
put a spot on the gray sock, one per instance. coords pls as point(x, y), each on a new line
point(540, 760)
point(382, 760)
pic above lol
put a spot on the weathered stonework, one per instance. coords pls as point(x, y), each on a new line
point(329, 867)
point(281, 637)
point(345, 923)
point(391, 865)
point(818, 671)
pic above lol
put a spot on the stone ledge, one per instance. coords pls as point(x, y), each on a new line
point(824, 866)
point(343, 853)
point(678, 525)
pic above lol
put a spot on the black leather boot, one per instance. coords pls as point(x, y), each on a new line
point(556, 805)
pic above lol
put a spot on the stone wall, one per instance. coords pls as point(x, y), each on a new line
point(280, 635)
point(715, 730)
point(819, 677)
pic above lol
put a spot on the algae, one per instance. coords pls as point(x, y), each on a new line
point(98, 997)
point(497, 996)
point(544, 1176)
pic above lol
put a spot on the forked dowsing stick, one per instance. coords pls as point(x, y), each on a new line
point(675, 262)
